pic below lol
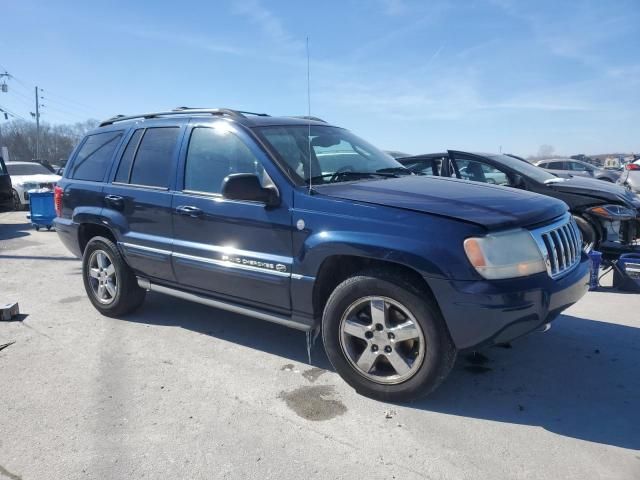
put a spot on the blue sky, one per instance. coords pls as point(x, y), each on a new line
point(413, 76)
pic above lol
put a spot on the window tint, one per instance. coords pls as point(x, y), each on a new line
point(3, 169)
point(31, 168)
point(481, 172)
point(212, 155)
point(127, 157)
point(152, 165)
point(556, 165)
point(94, 158)
point(578, 167)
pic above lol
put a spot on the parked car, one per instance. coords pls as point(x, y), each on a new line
point(6, 192)
point(564, 167)
point(630, 177)
point(304, 224)
point(607, 214)
point(27, 176)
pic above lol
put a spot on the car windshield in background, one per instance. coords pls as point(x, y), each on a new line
point(524, 168)
point(327, 154)
point(30, 169)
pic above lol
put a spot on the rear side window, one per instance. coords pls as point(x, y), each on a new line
point(152, 165)
point(94, 157)
point(124, 169)
point(556, 165)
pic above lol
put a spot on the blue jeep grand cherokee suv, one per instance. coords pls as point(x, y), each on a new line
point(298, 222)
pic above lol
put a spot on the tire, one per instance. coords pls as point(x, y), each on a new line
point(404, 305)
point(112, 291)
point(17, 204)
point(590, 238)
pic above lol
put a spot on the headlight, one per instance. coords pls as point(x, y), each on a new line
point(613, 212)
point(509, 254)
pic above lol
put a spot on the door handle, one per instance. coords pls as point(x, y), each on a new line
point(189, 211)
point(116, 201)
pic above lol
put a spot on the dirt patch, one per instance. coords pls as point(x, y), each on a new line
point(314, 403)
point(73, 299)
point(313, 373)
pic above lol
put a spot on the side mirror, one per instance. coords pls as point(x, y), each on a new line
point(247, 186)
point(517, 181)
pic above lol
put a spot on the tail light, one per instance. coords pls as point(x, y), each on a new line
point(632, 166)
point(57, 200)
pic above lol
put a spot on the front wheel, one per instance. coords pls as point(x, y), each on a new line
point(110, 283)
point(17, 204)
point(386, 338)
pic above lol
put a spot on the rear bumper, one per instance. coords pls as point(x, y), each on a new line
point(68, 233)
point(481, 313)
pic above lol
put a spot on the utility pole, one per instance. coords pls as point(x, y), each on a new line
point(37, 126)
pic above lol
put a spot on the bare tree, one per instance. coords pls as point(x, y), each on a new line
point(546, 151)
point(56, 141)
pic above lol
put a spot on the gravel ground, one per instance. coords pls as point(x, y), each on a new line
point(182, 391)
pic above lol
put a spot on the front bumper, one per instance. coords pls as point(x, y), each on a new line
point(480, 313)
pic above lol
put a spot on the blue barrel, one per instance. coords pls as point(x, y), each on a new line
point(41, 208)
point(596, 260)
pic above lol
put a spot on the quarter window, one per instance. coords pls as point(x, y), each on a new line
point(213, 154)
point(152, 165)
point(94, 157)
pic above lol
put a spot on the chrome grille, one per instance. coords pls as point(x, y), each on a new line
point(560, 244)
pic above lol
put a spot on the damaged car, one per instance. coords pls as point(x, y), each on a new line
point(607, 214)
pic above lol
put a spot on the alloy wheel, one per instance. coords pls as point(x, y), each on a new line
point(382, 340)
point(102, 277)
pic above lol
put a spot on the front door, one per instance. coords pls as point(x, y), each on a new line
point(237, 249)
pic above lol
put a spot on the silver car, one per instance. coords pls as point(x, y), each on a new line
point(630, 177)
point(567, 167)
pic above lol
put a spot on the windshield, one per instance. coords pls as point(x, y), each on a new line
point(524, 168)
point(336, 154)
point(27, 169)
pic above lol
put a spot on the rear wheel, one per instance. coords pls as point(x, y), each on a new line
point(110, 283)
point(386, 337)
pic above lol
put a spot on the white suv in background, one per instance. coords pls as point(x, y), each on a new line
point(27, 176)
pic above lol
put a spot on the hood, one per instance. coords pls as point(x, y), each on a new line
point(40, 178)
point(597, 189)
point(486, 205)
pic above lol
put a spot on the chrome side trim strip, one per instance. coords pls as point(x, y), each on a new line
point(146, 249)
point(229, 264)
point(230, 307)
point(233, 251)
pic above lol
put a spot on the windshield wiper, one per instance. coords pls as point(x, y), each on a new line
point(396, 170)
point(350, 173)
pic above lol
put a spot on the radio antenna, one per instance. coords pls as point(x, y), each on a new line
point(309, 115)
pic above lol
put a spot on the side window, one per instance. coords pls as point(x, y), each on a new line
point(152, 165)
point(124, 169)
point(431, 166)
point(577, 167)
point(477, 171)
point(212, 155)
point(94, 157)
point(556, 165)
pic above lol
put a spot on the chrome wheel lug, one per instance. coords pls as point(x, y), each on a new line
point(379, 327)
point(391, 336)
point(387, 349)
point(374, 348)
point(368, 335)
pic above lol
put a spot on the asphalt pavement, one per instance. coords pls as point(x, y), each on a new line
point(183, 391)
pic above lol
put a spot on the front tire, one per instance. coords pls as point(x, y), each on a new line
point(110, 283)
point(386, 338)
point(17, 204)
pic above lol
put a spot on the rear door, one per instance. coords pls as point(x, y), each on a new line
point(5, 185)
point(558, 167)
point(138, 200)
point(237, 249)
point(577, 168)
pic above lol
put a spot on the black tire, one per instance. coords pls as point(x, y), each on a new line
point(439, 354)
point(590, 237)
point(17, 204)
point(129, 296)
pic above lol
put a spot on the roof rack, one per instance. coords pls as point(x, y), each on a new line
point(183, 111)
point(308, 117)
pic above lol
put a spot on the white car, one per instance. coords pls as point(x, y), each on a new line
point(27, 176)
